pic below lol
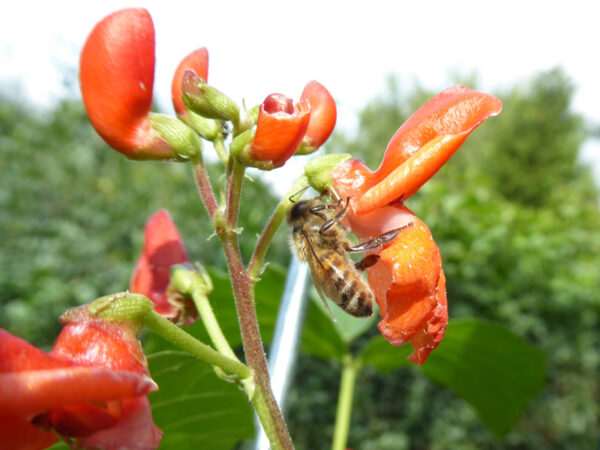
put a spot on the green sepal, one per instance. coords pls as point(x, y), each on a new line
point(121, 307)
point(182, 138)
point(318, 170)
point(240, 149)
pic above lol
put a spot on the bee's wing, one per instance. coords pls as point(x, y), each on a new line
point(316, 272)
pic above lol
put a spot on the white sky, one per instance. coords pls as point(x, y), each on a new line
point(261, 47)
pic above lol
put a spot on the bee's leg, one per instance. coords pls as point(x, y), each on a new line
point(327, 225)
point(379, 241)
point(316, 210)
point(366, 262)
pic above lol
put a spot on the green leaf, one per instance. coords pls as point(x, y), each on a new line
point(384, 356)
point(194, 408)
point(490, 367)
point(321, 337)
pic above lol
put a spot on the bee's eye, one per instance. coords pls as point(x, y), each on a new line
point(298, 210)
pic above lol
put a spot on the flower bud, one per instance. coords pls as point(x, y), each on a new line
point(207, 101)
point(196, 61)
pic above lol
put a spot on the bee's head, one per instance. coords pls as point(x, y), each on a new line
point(299, 210)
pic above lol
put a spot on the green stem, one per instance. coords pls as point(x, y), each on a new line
point(265, 405)
point(204, 187)
point(211, 324)
point(264, 241)
point(221, 150)
point(190, 344)
point(344, 406)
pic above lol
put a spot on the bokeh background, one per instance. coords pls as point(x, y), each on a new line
point(515, 212)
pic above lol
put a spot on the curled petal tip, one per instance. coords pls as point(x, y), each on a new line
point(323, 114)
point(280, 128)
point(197, 61)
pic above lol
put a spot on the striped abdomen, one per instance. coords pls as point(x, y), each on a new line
point(344, 284)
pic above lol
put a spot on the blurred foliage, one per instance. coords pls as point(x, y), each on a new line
point(517, 220)
point(514, 213)
point(72, 213)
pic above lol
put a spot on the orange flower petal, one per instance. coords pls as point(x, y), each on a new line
point(418, 150)
point(323, 113)
point(116, 73)
point(196, 61)
point(456, 110)
point(279, 131)
point(408, 281)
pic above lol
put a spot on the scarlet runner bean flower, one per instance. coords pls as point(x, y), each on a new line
point(282, 127)
point(163, 248)
point(116, 74)
point(92, 387)
point(408, 282)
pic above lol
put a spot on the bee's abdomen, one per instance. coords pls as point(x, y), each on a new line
point(353, 293)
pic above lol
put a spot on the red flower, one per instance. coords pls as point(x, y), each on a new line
point(409, 283)
point(92, 387)
point(116, 74)
point(323, 114)
point(163, 248)
point(280, 128)
point(196, 61)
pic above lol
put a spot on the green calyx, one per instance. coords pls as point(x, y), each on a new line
point(209, 129)
point(241, 150)
point(122, 307)
point(318, 171)
point(191, 280)
point(177, 134)
point(209, 102)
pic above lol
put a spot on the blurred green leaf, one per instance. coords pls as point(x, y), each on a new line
point(490, 367)
point(194, 408)
point(321, 337)
point(384, 356)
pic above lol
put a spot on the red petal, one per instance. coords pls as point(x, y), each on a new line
point(116, 74)
point(101, 343)
point(163, 248)
point(418, 150)
point(408, 281)
point(196, 61)
point(135, 429)
point(432, 332)
point(34, 391)
point(17, 433)
point(278, 135)
point(323, 113)
point(457, 110)
point(17, 355)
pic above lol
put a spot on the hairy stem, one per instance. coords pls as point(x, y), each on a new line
point(243, 291)
point(344, 406)
point(267, 410)
point(204, 187)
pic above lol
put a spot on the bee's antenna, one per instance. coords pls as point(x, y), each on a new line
point(298, 193)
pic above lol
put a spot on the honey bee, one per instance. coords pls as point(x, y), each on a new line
point(319, 239)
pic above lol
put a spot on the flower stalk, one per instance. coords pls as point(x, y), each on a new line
point(343, 414)
point(193, 346)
